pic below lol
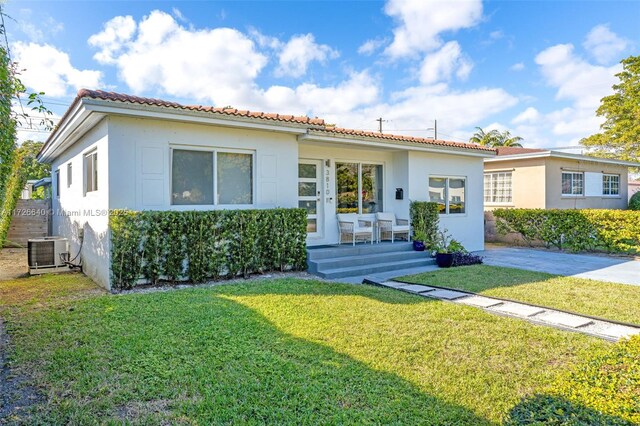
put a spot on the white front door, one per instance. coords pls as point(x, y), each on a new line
point(310, 194)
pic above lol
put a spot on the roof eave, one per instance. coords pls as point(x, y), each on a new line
point(320, 136)
point(564, 155)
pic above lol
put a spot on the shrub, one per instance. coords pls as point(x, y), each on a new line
point(634, 202)
point(13, 188)
point(575, 230)
point(424, 217)
point(200, 245)
point(466, 259)
point(605, 389)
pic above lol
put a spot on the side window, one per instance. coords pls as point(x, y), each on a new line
point(91, 172)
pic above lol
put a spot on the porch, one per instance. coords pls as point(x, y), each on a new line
point(352, 263)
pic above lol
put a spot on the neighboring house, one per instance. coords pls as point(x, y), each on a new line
point(114, 151)
point(634, 186)
point(537, 178)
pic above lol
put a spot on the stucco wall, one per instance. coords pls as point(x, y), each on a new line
point(528, 182)
point(140, 167)
point(75, 212)
point(555, 199)
point(468, 228)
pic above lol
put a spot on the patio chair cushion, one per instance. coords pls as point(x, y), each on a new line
point(387, 217)
point(348, 217)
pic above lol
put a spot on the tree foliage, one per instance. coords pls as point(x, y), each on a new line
point(495, 138)
point(620, 133)
point(31, 167)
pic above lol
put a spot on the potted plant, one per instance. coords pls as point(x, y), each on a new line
point(418, 240)
point(446, 248)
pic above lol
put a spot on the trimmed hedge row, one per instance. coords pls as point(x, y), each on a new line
point(574, 230)
point(604, 390)
point(200, 245)
point(424, 218)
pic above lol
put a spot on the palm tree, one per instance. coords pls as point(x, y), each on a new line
point(484, 138)
point(495, 138)
point(505, 139)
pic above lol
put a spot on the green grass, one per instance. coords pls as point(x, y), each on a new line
point(608, 300)
point(283, 351)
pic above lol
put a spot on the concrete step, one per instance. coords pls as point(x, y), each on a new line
point(359, 249)
point(375, 267)
point(365, 259)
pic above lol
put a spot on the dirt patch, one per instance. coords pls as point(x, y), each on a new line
point(16, 395)
point(13, 263)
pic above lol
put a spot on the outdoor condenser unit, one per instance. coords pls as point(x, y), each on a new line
point(47, 255)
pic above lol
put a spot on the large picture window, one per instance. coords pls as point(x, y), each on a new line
point(498, 187)
point(449, 193)
point(610, 184)
point(572, 183)
point(91, 172)
point(193, 183)
point(359, 188)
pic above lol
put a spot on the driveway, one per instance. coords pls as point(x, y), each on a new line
point(602, 268)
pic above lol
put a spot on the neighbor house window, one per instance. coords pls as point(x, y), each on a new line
point(57, 178)
point(610, 184)
point(497, 187)
point(572, 183)
point(69, 175)
point(448, 193)
point(196, 176)
point(359, 188)
point(91, 172)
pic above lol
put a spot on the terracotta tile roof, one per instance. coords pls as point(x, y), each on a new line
point(316, 124)
point(402, 138)
point(119, 97)
point(513, 150)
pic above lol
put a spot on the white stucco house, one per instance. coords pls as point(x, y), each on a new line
point(114, 151)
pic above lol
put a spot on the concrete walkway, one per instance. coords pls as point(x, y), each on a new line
point(602, 268)
point(601, 328)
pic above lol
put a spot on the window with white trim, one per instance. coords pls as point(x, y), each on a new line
point(610, 184)
point(498, 187)
point(572, 183)
point(449, 193)
point(91, 172)
point(200, 177)
point(358, 188)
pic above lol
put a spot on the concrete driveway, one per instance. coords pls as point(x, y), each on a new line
point(602, 268)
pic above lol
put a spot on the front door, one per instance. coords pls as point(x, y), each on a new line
point(310, 195)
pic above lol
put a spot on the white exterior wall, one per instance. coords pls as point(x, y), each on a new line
point(75, 212)
point(468, 228)
point(140, 169)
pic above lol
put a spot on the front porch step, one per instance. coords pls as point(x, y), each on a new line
point(375, 267)
point(342, 261)
point(315, 254)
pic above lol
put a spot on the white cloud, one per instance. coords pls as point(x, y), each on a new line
point(368, 47)
point(221, 64)
point(442, 64)
point(517, 67)
point(604, 45)
point(420, 23)
point(299, 52)
point(115, 33)
point(42, 30)
point(46, 69)
point(529, 115)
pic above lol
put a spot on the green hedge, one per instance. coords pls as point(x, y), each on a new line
point(200, 245)
point(424, 218)
point(603, 390)
point(13, 189)
point(574, 230)
point(634, 202)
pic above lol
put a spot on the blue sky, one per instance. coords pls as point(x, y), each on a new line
point(536, 68)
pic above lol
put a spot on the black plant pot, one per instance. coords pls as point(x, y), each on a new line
point(418, 246)
point(444, 260)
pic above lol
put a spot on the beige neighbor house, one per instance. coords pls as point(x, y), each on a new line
point(634, 186)
point(538, 178)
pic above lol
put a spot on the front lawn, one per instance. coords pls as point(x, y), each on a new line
point(283, 351)
point(618, 302)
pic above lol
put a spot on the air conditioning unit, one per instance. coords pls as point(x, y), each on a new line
point(47, 255)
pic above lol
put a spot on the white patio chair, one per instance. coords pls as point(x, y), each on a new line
point(388, 224)
point(354, 228)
